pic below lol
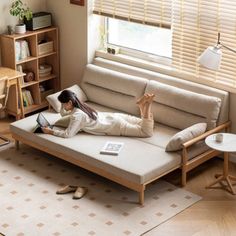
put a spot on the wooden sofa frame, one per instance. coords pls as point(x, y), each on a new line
point(186, 165)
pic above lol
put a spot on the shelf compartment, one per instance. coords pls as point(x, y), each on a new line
point(30, 66)
point(25, 85)
point(45, 48)
point(51, 60)
point(48, 88)
point(44, 94)
point(34, 91)
point(47, 54)
point(49, 40)
point(31, 44)
point(42, 79)
point(28, 59)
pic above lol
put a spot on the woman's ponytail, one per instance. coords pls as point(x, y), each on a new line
point(85, 108)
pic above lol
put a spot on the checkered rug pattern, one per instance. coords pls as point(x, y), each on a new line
point(30, 206)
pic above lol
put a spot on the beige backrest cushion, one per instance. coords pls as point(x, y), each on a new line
point(113, 89)
point(171, 80)
point(181, 108)
point(185, 135)
point(56, 105)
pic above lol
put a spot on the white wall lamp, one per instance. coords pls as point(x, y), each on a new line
point(211, 57)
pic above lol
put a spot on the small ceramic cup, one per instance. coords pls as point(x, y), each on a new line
point(219, 138)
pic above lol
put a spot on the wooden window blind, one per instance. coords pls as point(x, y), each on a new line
point(195, 26)
point(151, 12)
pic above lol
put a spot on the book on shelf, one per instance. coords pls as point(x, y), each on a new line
point(21, 49)
point(112, 148)
point(27, 98)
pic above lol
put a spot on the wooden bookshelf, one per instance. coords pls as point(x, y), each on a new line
point(39, 87)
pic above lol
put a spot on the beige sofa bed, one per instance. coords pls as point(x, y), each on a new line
point(177, 105)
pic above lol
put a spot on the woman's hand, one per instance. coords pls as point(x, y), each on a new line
point(47, 130)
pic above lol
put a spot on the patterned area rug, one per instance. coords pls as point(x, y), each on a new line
point(29, 206)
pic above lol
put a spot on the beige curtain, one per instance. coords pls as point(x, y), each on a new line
point(195, 24)
point(151, 12)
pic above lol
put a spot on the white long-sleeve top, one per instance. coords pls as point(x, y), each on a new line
point(80, 121)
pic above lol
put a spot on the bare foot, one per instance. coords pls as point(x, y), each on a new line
point(149, 97)
point(140, 100)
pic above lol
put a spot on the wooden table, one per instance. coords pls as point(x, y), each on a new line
point(15, 101)
point(226, 146)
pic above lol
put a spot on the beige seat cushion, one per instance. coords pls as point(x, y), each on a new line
point(138, 160)
point(185, 135)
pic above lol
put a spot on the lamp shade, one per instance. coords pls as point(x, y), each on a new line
point(211, 58)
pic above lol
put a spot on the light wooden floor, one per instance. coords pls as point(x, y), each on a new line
point(214, 215)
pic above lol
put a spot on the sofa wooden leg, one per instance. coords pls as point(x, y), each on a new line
point(17, 144)
point(141, 195)
point(184, 178)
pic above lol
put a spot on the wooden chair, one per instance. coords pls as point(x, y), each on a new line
point(4, 92)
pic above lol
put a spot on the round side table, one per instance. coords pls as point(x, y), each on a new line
point(226, 146)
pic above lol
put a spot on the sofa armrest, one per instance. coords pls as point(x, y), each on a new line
point(189, 165)
point(204, 135)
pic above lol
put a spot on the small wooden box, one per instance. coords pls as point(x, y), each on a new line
point(45, 48)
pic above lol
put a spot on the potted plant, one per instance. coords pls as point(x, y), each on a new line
point(19, 9)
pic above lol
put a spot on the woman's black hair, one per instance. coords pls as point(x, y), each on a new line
point(67, 95)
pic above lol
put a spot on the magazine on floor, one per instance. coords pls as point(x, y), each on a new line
point(112, 148)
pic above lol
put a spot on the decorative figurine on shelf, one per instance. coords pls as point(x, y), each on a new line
point(18, 8)
point(29, 76)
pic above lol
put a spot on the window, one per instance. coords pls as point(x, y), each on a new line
point(174, 30)
point(139, 37)
point(141, 28)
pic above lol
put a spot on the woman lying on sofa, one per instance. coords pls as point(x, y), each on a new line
point(84, 118)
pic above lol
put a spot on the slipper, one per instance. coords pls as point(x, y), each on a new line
point(66, 189)
point(80, 192)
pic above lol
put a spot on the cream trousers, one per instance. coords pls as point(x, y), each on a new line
point(127, 125)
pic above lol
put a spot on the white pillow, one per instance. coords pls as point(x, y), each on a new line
point(185, 135)
point(56, 105)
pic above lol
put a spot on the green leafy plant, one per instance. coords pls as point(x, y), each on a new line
point(18, 8)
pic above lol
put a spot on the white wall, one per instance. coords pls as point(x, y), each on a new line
point(78, 37)
point(72, 22)
point(7, 19)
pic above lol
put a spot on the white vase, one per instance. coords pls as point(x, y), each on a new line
point(20, 29)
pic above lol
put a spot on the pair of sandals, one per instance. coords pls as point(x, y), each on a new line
point(79, 192)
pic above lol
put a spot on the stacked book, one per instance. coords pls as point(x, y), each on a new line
point(27, 98)
point(21, 49)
